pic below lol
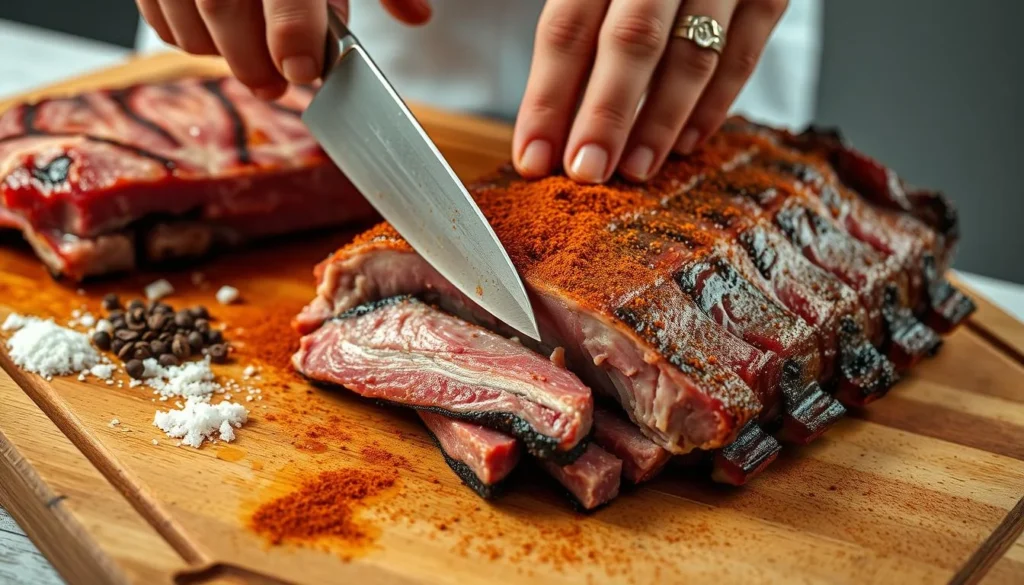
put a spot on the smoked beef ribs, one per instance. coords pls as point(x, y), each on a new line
point(750, 294)
point(106, 180)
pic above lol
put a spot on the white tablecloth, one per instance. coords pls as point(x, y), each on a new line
point(31, 57)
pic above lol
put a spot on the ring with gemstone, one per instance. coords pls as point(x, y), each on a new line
point(702, 30)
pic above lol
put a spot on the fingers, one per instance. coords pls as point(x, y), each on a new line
point(238, 30)
point(682, 76)
point(563, 53)
point(414, 12)
point(751, 27)
point(296, 32)
point(150, 11)
point(631, 43)
point(188, 27)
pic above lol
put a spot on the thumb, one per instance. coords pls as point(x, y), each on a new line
point(413, 12)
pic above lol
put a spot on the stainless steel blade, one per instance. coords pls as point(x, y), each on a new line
point(375, 140)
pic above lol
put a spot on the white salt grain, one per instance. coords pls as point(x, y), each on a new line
point(188, 380)
point(104, 325)
point(156, 442)
point(158, 290)
point(113, 423)
point(48, 349)
point(87, 320)
point(102, 371)
point(199, 421)
point(249, 371)
point(227, 295)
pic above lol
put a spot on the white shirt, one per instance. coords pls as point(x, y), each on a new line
point(474, 56)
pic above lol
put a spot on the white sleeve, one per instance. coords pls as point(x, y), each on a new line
point(784, 86)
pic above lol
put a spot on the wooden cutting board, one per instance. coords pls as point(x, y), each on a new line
point(925, 486)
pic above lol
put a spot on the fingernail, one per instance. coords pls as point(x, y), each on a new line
point(638, 163)
point(688, 140)
point(536, 159)
point(590, 164)
point(299, 69)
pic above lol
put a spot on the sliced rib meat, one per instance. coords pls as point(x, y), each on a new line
point(592, 480)
point(404, 351)
point(480, 456)
point(641, 458)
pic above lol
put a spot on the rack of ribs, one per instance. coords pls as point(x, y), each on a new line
point(743, 299)
point(105, 181)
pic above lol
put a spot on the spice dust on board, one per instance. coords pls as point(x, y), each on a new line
point(325, 511)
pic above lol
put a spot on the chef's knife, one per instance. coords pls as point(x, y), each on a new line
point(371, 135)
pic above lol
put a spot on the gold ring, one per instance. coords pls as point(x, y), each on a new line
point(704, 31)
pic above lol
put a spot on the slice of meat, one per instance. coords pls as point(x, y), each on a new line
point(108, 164)
point(592, 480)
point(483, 457)
point(480, 456)
point(641, 458)
point(404, 351)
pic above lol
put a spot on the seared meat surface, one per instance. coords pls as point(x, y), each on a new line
point(105, 180)
point(749, 294)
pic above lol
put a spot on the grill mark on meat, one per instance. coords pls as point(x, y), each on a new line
point(238, 129)
point(30, 129)
point(122, 97)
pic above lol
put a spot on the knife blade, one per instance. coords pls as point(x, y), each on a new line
point(369, 132)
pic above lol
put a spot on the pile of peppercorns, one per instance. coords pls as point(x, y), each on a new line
point(140, 331)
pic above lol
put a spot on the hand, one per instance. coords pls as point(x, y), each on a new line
point(609, 52)
point(267, 44)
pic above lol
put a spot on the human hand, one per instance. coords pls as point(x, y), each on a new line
point(267, 44)
point(609, 53)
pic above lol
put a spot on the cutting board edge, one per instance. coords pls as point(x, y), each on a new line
point(53, 406)
point(39, 511)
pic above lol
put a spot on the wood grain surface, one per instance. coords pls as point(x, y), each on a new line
point(924, 486)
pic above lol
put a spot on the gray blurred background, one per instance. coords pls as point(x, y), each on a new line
point(934, 89)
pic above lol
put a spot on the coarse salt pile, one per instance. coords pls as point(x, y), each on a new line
point(198, 420)
point(190, 379)
point(45, 348)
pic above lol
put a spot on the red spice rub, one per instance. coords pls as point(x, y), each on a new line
point(571, 237)
point(323, 507)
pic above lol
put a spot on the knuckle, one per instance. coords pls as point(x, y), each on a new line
point(640, 36)
point(288, 28)
point(608, 117)
point(565, 33)
point(742, 65)
point(543, 105)
point(699, 63)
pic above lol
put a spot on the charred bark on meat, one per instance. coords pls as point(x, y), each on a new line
point(808, 411)
point(907, 340)
point(748, 455)
point(866, 375)
point(947, 307)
